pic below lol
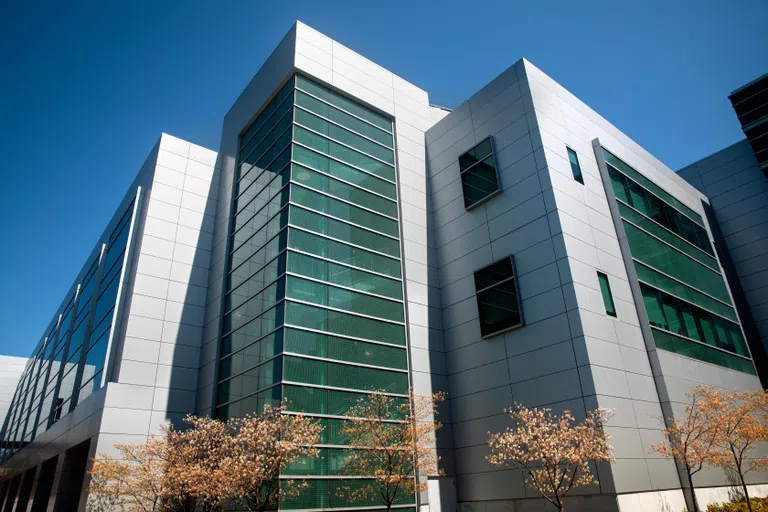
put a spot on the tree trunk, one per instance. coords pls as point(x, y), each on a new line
point(746, 493)
point(693, 491)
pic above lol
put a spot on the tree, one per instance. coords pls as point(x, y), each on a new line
point(691, 442)
point(553, 451)
point(257, 451)
point(136, 482)
point(392, 441)
point(740, 427)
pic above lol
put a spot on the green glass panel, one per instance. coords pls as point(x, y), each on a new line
point(250, 404)
point(246, 224)
point(337, 251)
point(250, 381)
point(343, 231)
point(605, 289)
point(324, 373)
point(343, 211)
point(475, 155)
point(340, 298)
point(493, 274)
point(257, 241)
point(573, 158)
point(479, 182)
point(344, 153)
point(274, 157)
point(343, 103)
point(344, 276)
point(265, 323)
point(264, 187)
point(658, 231)
point(651, 186)
point(249, 182)
point(267, 115)
point(254, 284)
point(343, 349)
point(254, 354)
point(668, 260)
point(344, 172)
point(682, 346)
point(652, 277)
point(313, 179)
point(336, 322)
point(255, 306)
point(499, 308)
point(339, 134)
point(257, 260)
point(314, 495)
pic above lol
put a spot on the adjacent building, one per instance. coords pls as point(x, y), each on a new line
point(353, 238)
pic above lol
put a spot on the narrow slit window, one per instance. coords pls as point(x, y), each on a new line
point(479, 181)
point(498, 302)
point(605, 288)
point(575, 167)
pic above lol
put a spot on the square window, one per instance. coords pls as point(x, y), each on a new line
point(479, 181)
point(605, 288)
point(575, 167)
point(498, 302)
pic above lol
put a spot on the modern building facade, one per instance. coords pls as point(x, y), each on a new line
point(352, 238)
point(734, 179)
point(120, 355)
point(11, 369)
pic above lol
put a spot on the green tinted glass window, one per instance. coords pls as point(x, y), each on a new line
point(344, 153)
point(267, 115)
point(344, 232)
point(325, 373)
point(344, 324)
point(651, 186)
point(667, 341)
point(341, 298)
point(654, 278)
point(337, 251)
point(250, 381)
point(344, 349)
point(343, 211)
point(263, 324)
point(255, 283)
point(257, 260)
point(677, 316)
point(248, 248)
point(478, 174)
point(252, 355)
point(344, 276)
point(344, 172)
point(313, 179)
point(343, 103)
point(668, 260)
point(605, 289)
point(497, 300)
point(573, 158)
point(255, 306)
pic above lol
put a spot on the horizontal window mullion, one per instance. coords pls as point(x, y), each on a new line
point(262, 363)
point(310, 148)
point(344, 311)
point(248, 395)
point(352, 338)
point(334, 388)
point(682, 283)
point(342, 287)
point(494, 285)
point(232, 290)
point(267, 202)
point(266, 185)
point(337, 141)
point(666, 229)
point(341, 180)
point(257, 231)
point(271, 307)
point(271, 283)
point(366, 228)
point(336, 123)
point(688, 301)
point(271, 114)
point(343, 264)
point(267, 134)
point(253, 165)
point(344, 361)
point(272, 238)
point(714, 347)
point(298, 87)
point(337, 198)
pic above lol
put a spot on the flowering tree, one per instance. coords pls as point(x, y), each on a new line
point(691, 441)
point(258, 450)
point(553, 451)
point(136, 481)
point(392, 441)
point(740, 427)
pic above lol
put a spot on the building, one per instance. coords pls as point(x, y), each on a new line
point(120, 354)
point(11, 369)
point(359, 239)
point(734, 180)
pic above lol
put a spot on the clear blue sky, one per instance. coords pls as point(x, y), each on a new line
point(86, 87)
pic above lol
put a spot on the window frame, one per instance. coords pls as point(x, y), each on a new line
point(462, 172)
point(514, 277)
point(580, 177)
point(609, 292)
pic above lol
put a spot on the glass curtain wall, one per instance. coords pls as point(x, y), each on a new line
point(685, 294)
point(66, 366)
point(314, 305)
